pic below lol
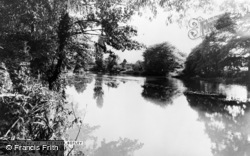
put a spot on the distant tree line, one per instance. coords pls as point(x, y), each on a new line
point(159, 59)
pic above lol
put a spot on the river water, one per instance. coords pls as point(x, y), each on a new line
point(150, 116)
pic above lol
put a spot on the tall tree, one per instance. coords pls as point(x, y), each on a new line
point(161, 59)
point(224, 47)
point(51, 30)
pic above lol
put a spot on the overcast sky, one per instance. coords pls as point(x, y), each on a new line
point(156, 31)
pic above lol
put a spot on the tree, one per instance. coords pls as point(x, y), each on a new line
point(162, 58)
point(52, 29)
point(41, 38)
point(111, 63)
point(138, 66)
point(124, 62)
point(181, 11)
point(99, 51)
point(221, 49)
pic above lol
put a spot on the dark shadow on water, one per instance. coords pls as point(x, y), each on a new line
point(112, 83)
point(160, 91)
point(248, 93)
point(79, 82)
point(202, 86)
point(228, 126)
point(121, 147)
point(232, 91)
point(98, 91)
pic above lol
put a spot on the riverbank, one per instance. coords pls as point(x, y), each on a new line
point(227, 80)
point(178, 75)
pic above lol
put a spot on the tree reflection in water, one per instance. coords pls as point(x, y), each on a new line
point(160, 91)
point(112, 83)
point(122, 147)
point(248, 93)
point(98, 91)
point(79, 82)
point(226, 124)
point(201, 86)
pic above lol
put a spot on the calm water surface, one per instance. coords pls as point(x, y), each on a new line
point(140, 116)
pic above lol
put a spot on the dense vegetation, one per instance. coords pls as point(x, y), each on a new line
point(39, 41)
point(53, 38)
point(42, 39)
point(161, 59)
point(223, 53)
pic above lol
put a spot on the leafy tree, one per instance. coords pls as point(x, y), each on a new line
point(99, 54)
point(138, 66)
point(220, 50)
point(124, 62)
point(111, 63)
point(41, 38)
point(181, 11)
point(162, 58)
point(51, 30)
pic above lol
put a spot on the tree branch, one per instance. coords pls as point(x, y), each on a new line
point(79, 32)
point(13, 125)
point(79, 130)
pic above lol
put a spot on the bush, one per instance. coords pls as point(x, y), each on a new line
point(28, 115)
point(162, 58)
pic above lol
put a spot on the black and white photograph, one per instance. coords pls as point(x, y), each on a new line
point(125, 77)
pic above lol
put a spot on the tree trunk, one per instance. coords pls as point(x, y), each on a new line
point(248, 74)
point(63, 35)
point(56, 74)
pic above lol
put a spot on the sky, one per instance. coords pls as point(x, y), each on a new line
point(157, 31)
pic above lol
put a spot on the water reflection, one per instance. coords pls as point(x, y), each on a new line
point(113, 83)
point(191, 125)
point(98, 91)
point(233, 91)
point(79, 82)
point(227, 124)
point(122, 147)
point(161, 90)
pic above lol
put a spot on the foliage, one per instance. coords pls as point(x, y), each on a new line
point(181, 11)
point(5, 82)
point(124, 62)
point(221, 50)
point(111, 63)
point(28, 115)
point(57, 34)
point(138, 66)
point(225, 22)
point(99, 66)
point(161, 59)
point(30, 111)
point(41, 39)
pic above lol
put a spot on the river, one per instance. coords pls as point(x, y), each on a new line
point(150, 116)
